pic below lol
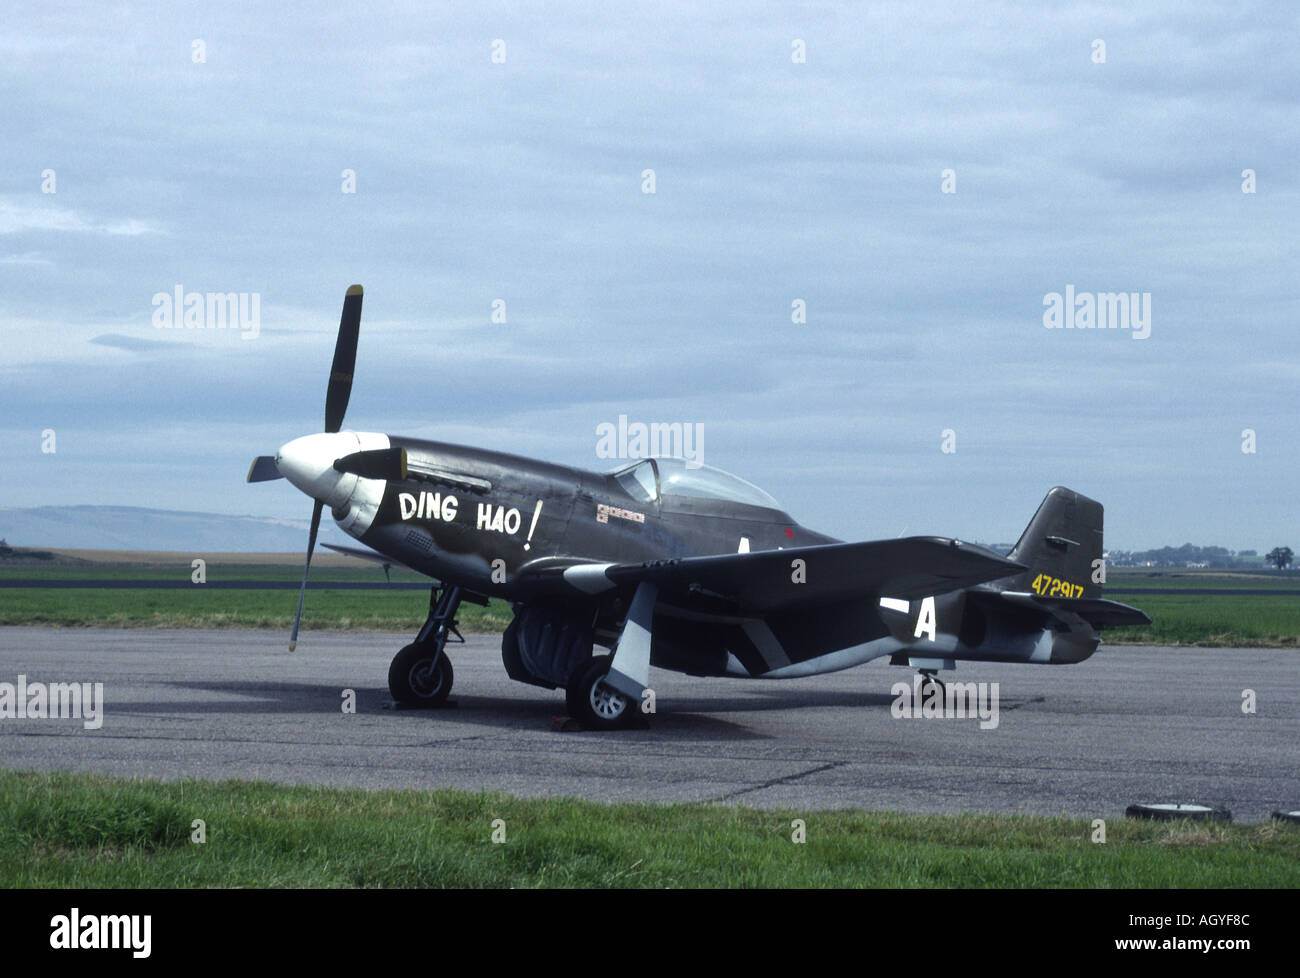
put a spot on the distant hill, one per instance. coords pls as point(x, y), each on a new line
point(140, 528)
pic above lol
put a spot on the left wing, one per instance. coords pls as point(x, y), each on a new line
point(768, 581)
point(769, 610)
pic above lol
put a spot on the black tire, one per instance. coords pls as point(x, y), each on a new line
point(410, 681)
point(595, 706)
point(1170, 812)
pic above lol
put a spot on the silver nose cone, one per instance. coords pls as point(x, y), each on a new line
point(308, 463)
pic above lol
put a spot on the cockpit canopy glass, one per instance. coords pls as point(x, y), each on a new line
point(676, 478)
point(639, 480)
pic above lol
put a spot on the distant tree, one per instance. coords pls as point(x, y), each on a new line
point(1280, 557)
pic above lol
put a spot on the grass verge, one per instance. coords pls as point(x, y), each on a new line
point(62, 830)
point(324, 609)
point(1250, 621)
point(1244, 621)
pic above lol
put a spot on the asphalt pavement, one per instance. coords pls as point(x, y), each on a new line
point(1131, 724)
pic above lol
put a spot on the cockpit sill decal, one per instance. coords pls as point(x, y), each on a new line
point(604, 512)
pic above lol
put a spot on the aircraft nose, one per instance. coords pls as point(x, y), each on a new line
point(308, 463)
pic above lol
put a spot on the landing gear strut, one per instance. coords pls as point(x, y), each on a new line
point(421, 674)
point(605, 693)
point(928, 677)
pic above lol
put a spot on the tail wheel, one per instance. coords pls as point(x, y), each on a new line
point(596, 705)
point(415, 679)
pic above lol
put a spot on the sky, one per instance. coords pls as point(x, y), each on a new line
point(803, 152)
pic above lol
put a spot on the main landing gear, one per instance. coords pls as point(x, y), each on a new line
point(594, 703)
point(606, 692)
point(421, 674)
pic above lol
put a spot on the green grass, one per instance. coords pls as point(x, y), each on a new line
point(1247, 620)
point(198, 608)
point(1206, 620)
point(60, 830)
point(215, 572)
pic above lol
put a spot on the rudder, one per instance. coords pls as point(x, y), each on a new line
point(1061, 546)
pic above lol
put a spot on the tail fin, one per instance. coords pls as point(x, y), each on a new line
point(1061, 546)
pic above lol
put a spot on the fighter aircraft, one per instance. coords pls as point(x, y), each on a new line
point(684, 568)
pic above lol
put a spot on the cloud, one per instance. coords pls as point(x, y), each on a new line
point(23, 217)
point(132, 344)
point(521, 181)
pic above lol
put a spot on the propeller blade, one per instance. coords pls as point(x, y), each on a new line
point(263, 469)
point(377, 463)
point(302, 592)
point(345, 361)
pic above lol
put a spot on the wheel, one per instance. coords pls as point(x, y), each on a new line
point(1168, 812)
point(413, 682)
point(593, 703)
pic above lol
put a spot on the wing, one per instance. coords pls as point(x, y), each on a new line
point(772, 610)
point(371, 555)
point(795, 579)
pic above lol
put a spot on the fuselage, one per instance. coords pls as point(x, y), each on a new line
point(476, 516)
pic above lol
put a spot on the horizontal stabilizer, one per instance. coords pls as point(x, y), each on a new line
point(1098, 612)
